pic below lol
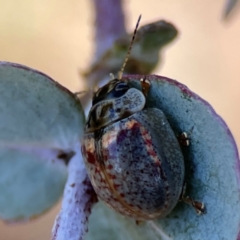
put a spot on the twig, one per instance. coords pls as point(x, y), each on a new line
point(109, 24)
point(71, 223)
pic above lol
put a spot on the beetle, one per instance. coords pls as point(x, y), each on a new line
point(132, 155)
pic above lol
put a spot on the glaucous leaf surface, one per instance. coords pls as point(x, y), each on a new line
point(212, 173)
point(40, 123)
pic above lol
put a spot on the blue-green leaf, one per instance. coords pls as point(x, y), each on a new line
point(40, 123)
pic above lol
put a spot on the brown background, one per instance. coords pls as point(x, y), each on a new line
point(56, 37)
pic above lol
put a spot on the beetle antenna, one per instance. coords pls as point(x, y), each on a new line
point(120, 73)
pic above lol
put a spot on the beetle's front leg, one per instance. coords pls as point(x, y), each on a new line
point(184, 139)
point(145, 84)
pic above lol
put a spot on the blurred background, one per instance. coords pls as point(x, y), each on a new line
point(56, 37)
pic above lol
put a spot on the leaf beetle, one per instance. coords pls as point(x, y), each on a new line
point(133, 157)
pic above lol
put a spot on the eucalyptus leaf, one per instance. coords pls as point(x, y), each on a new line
point(212, 173)
point(40, 123)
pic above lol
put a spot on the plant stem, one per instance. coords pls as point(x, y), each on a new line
point(109, 24)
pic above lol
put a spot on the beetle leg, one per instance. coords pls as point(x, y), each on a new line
point(91, 90)
point(145, 84)
point(198, 206)
point(184, 139)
